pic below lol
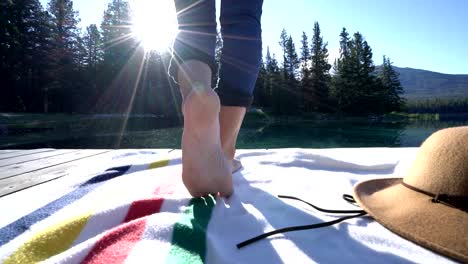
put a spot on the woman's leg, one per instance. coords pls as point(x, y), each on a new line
point(240, 64)
point(205, 170)
point(196, 39)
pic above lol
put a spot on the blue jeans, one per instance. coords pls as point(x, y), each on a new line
point(242, 43)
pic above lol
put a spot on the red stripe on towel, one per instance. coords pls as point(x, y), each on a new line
point(115, 246)
point(117, 243)
point(148, 207)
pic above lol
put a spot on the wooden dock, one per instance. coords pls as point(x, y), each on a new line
point(23, 169)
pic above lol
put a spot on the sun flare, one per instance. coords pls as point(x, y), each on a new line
point(154, 23)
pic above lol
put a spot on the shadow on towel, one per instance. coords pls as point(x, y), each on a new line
point(330, 240)
point(319, 162)
point(254, 154)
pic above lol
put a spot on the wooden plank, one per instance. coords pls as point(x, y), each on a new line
point(7, 152)
point(15, 154)
point(45, 175)
point(35, 157)
point(3, 151)
point(32, 178)
point(18, 169)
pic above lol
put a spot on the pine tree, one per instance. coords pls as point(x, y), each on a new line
point(320, 72)
point(44, 47)
point(292, 59)
point(64, 54)
point(121, 59)
point(283, 93)
point(283, 43)
point(116, 36)
point(344, 44)
point(275, 83)
point(367, 93)
point(260, 91)
point(392, 87)
point(81, 53)
point(361, 55)
point(355, 87)
point(272, 82)
point(306, 87)
point(289, 90)
point(93, 46)
point(305, 57)
point(269, 69)
point(92, 60)
point(24, 42)
point(341, 86)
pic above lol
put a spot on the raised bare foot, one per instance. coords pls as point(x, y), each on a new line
point(205, 169)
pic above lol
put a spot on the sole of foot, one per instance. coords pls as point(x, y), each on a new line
point(205, 169)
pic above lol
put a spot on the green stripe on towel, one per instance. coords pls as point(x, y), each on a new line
point(189, 236)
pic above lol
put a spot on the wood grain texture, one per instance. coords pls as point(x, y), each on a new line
point(18, 169)
point(54, 164)
point(36, 157)
point(45, 171)
point(19, 153)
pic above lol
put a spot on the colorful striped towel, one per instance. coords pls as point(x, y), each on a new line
point(133, 208)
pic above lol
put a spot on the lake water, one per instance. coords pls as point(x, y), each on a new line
point(61, 131)
point(343, 134)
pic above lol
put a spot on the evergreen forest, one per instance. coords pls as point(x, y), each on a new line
point(48, 64)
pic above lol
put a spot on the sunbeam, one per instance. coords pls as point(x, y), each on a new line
point(154, 23)
point(132, 98)
point(116, 41)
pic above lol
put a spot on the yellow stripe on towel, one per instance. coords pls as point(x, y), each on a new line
point(158, 164)
point(60, 237)
point(50, 241)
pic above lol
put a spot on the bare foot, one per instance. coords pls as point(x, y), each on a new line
point(205, 169)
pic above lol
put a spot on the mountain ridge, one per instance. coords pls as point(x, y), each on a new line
point(424, 84)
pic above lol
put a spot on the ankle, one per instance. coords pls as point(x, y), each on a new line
point(229, 151)
point(193, 75)
point(201, 103)
point(230, 122)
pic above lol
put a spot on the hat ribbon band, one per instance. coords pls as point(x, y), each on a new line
point(455, 201)
point(351, 214)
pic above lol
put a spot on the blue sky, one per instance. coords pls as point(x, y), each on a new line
point(423, 34)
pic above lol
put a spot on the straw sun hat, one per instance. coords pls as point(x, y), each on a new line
point(429, 206)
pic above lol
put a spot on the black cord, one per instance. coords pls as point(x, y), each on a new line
point(347, 197)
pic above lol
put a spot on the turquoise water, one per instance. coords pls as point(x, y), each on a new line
point(67, 131)
point(339, 134)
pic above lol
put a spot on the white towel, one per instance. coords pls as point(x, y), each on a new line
point(134, 209)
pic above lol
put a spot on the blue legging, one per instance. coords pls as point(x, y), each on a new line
point(242, 43)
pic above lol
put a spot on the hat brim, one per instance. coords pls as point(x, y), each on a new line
point(415, 217)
